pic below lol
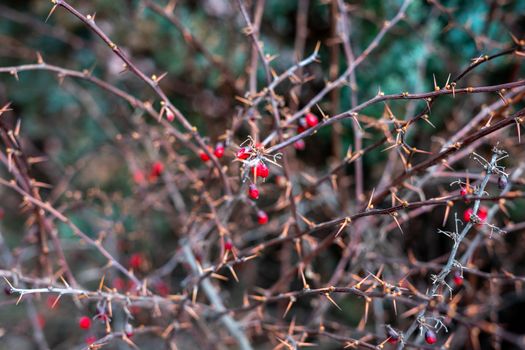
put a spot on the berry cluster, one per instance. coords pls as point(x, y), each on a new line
point(308, 121)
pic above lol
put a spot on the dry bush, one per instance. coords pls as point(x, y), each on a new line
point(261, 174)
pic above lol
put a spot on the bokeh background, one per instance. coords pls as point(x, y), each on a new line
point(79, 129)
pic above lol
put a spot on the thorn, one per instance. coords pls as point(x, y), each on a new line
point(244, 100)
point(370, 205)
point(14, 73)
point(325, 116)
point(219, 277)
point(514, 39)
point(17, 127)
point(291, 327)
point(425, 118)
point(51, 12)
point(332, 301)
point(448, 79)
point(233, 273)
point(317, 47)
point(343, 225)
point(289, 306)
point(101, 284)
point(308, 222)
point(394, 303)
point(39, 58)
point(194, 294)
point(65, 282)
point(8, 283)
point(303, 278)
point(363, 321)
point(447, 212)
point(397, 222)
point(519, 130)
point(55, 302)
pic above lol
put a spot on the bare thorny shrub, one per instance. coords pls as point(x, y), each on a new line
point(266, 249)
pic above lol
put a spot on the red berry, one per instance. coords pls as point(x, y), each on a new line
point(483, 213)
point(262, 217)
point(84, 322)
point(8, 290)
point(219, 150)
point(228, 244)
point(430, 337)
point(135, 261)
point(311, 120)
point(467, 214)
point(261, 170)
point(253, 192)
point(204, 157)
point(156, 169)
point(458, 279)
point(162, 288)
point(170, 116)
point(299, 145)
point(463, 192)
point(91, 339)
point(243, 153)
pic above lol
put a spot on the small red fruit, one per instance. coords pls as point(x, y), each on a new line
point(311, 120)
point(458, 278)
point(219, 150)
point(483, 213)
point(261, 170)
point(430, 337)
point(204, 157)
point(463, 192)
point(253, 192)
point(299, 145)
point(243, 153)
point(162, 288)
point(467, 214)
point(228, 244)
point(84, 322)
point(8, 290)
point(156, 169)
point(170, 116)
point(262, 217)
point(91, 339)
point(135, 261)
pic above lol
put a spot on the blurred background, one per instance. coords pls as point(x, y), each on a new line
point(94, 142)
